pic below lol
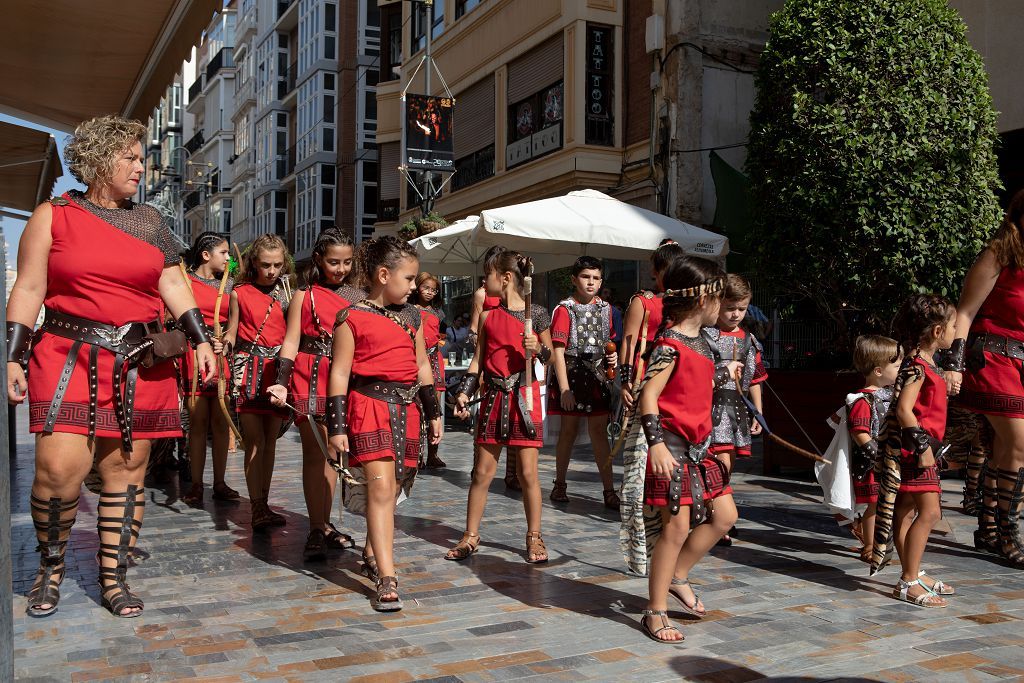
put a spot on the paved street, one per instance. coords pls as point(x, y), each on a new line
point(789, 600)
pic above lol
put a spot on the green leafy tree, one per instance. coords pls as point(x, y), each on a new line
point(872, 155)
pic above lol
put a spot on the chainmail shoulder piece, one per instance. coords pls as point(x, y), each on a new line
point(698, 344)
point(215, 282)
point(541, 318)
point(141, 221)
point(350, 293)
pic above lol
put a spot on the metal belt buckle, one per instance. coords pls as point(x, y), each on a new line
point(113, 337)
point(1014, 349)
point(407, 395)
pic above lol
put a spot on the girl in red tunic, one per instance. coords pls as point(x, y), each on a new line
point(687, 483)
point(504, 419)
point(428, 301)
point(643, 302)
point(580, 328)
point(256, 332)
point(303, 368)
point(379, 371)
point(924, 324)
point(990, 333)
point(105, 268)
point(208, 261)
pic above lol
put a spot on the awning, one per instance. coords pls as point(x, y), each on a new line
point(29, 165)
point(64, 61)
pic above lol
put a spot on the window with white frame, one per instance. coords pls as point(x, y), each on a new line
point(318, 32)
point(315, 196)
point(271, 147)
point(242, 135)
point(174, 106)
point(316, 124)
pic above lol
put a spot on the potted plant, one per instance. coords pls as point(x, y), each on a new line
point(421, 225)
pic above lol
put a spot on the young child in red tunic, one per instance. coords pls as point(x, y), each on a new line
point(208, 259)
point(581, 326)
point(924, 324)
point(303, 367)
point(684, 480)
point(379, 371)
point(877, 360)
point(648, 302)
point(504, 419)
point(256, 332)
point(428, 301)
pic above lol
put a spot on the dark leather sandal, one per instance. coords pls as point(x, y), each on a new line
point(369, 568)
point(116, 596)
point(611, 499)
point(261, 515)
point(385, 586)
point(52, 531)
point(222, 491)
point(464, 548)
point(337, 540)
point(535, 548)
point(558, 492)
point(666, 625)
point(194, 497)
point(314, 549)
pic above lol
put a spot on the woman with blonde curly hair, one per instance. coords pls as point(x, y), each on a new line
point(256, 330)
point(105, 268)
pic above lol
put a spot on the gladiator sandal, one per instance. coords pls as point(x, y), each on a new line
point(53, 528)
point(611, 499)
point(433, 461)
point(260, 514)
point(116, 596)
point(535, 548)
point(1011, 545)
point(469, 544)
point(986, 536)
point(314, 548)
point(511, 477)
point(386, 585)
point(972, 499)
point(194, 497)
point(558, 492)
point(666, 625)
point(336, 540)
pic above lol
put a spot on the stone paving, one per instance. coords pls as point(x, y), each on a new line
point(789, 601)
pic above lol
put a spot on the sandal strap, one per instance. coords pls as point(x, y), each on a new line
point(385, 585)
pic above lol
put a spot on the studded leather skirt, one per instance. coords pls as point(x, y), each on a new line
point(504, 417)
point(384, 423)
point(84, 379)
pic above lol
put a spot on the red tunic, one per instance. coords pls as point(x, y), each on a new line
point(652, 303)
point(101, 273)
point(383, 351)
point(503, 356)
point(997, 388)
point(593, 392)
point(326, 303)
point(491, 302)
point(859, 422)
point(685, 407)
point(930, 411)
point(433, 339)
point(261, 320)
point(206, 301)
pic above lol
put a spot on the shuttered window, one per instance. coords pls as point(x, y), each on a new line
point(536, 70)
point(390, 179)
point(474, 117)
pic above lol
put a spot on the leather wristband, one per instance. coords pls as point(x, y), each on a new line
point(19, 343)
point(626, 372)
point(544, 354)
point(915, 440)
point(955, 357)
point(192, 324)
point(652, 429)
point(722, 376)
point(469, 384)
point(428, 399)
point(284, 371)
point(337, 415)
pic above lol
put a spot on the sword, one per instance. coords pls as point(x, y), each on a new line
point(336, 465)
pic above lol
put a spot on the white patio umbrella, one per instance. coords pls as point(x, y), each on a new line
point(448, 251)
point(588, 222)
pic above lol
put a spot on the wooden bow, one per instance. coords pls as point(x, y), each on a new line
point(194, 396)
point(221, 379)
point(527, 331)
point(638, 375)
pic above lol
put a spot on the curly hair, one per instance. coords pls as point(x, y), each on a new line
point(917, 317)
point(247, 268)
point(93, 149)
point(1008, 244)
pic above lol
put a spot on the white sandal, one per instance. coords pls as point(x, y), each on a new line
point(926, 599)
point(939, 588)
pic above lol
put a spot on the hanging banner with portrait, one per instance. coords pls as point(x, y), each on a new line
point(427, 133)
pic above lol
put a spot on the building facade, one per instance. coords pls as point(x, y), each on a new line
point(207, 201)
